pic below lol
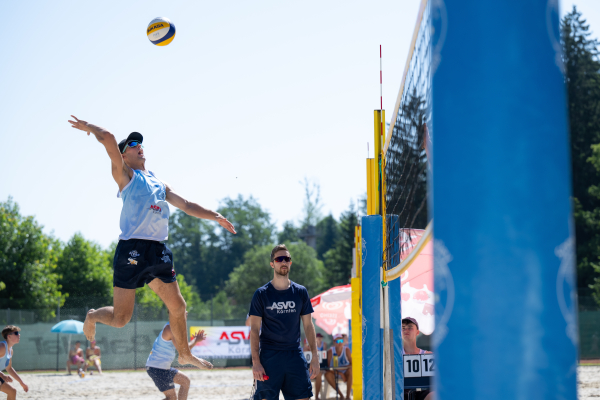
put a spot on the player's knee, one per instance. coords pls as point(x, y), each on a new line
point(184, 381)
point(9, 390)
point(178, 308)
point(121, 320)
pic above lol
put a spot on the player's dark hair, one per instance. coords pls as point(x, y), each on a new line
point(8, 330)
point(276, 249)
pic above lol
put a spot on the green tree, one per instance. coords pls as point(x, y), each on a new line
point(254, 228)
point(151, 305)
point(86, 274)
point(191, 240)
point(328, 232)
point(312, 204)
point(27, 262)
point(289, 233)
point(256, 271)
point(580, 55)
point(338, 260)
point(205, 253)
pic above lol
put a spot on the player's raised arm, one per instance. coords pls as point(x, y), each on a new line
point(120, 171)
point(196, 210)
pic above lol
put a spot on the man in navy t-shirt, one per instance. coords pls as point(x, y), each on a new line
point(279, 306)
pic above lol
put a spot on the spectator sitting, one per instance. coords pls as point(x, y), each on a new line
point(93, 357)
point(343, 355)
point(410, 331)
point(75, 358)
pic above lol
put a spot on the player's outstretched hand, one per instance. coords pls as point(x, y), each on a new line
point(226, 224)
point(200, 336)
point(258, 371)
point(79, 124)
point(25, 387)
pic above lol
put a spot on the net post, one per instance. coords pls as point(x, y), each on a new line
point(371, 323)
point(356, 322)
point(504, 258)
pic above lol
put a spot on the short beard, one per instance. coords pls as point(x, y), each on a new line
point(281, 273)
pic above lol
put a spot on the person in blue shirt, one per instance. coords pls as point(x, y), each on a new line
point(158, 365)
point(275, 314)
point(141, 257)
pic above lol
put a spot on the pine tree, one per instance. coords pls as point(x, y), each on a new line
point(580, 57)
point(338, 261)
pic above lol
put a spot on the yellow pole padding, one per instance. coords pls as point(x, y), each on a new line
point(356, 339)
point(372, 198)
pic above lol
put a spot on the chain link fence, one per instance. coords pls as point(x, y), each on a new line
point(124, 348)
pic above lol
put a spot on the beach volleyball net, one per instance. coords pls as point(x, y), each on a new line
point(406, 156)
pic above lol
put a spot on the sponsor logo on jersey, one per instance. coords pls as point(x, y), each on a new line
point(166, 259)
point(132, 261)
point(283, 307)
point(155, 209)
point(134, 253)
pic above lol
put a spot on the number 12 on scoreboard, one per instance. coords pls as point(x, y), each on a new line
point(417, 365)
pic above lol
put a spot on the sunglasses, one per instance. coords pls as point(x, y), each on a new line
point(339, 341)
point(282, 259)
point(15, 333)
point(133, 143)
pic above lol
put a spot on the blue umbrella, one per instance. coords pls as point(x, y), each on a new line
point(68, 326)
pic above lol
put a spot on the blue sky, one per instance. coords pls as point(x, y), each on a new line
point(250, 98)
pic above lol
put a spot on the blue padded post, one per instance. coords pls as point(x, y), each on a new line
point(506, 312)
point(371, 283)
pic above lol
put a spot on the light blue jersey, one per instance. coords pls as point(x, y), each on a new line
point(145, 213)
point(162, 354)
point(342, 358)
point(5, 359)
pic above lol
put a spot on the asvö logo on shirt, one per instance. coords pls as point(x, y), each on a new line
point(283, 307)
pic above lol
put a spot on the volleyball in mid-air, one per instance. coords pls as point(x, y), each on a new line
point(161, 31)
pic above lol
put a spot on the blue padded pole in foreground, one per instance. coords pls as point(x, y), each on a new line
point(371, 329)
point(506, 324)
point(396, 312)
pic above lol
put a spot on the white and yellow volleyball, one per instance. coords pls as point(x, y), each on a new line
point(161, 31)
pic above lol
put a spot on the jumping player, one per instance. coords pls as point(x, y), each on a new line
point(140, 257)
point(159, 362)
point(11, 335)
point(279, 306)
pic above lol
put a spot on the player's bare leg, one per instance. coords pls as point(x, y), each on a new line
point(117, 316)
point(184, 385)
point(10, 391)
point(170, 295)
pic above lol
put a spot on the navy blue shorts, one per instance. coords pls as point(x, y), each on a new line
point(138, 262)
point(287, 371)
point(163, 378)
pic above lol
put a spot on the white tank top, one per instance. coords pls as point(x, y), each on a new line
point(342, 359)
point(162, 354)
point(5, 359)
point(145, 213)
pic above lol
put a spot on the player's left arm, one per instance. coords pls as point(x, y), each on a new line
point(311, 336)
point(11, 371)
point(196, 210)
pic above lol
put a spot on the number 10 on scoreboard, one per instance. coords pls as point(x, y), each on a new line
point(418, 365)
